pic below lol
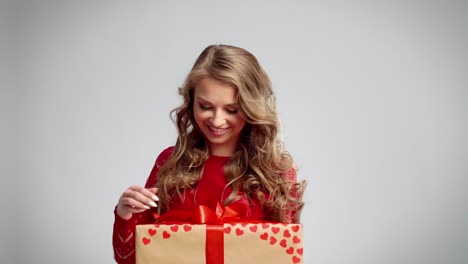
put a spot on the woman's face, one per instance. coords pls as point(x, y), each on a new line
point(218, 115)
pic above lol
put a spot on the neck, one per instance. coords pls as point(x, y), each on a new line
point(223, 150)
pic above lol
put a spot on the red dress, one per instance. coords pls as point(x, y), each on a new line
point(208, 192)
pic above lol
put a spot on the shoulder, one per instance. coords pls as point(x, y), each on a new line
point(164, 156)
point(160, 161)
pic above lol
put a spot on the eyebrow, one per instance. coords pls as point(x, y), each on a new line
point(206, 101)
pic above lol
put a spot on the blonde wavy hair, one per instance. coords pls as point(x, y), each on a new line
point(261, 167)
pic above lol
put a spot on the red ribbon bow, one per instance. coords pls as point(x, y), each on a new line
point(202, 214)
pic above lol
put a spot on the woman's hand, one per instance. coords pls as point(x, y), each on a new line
point(136, 199)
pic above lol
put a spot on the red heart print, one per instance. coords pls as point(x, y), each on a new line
point(296, 240)
point(275, 230)
point(152, 232)
point(295, 228)
point(296, 259)
point(146, 241)
point(227, 230)
point(174, 228)
point(299, 251)
point(265, 226)
point(283, 243)
point(244, 224)
point(290, 250)
point(187, 228)
point(272, 240)
point(264, 236)
point(239, 232)
point(286, 233)
point(253, 228)
point(166, 235)
point(156, 225)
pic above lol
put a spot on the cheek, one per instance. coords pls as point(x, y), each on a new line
point(200, 117)
point(239, 122)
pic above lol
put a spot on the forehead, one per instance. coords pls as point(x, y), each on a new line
point(216, 92)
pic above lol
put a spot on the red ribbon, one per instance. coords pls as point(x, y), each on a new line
point(202, 214)
point(214, 247)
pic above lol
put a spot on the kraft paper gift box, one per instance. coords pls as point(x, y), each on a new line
point(228, 243)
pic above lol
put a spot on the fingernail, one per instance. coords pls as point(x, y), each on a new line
point(153, 204)
point(146, 207)
point(155, 198)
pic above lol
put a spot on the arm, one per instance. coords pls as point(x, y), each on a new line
point(293, 210)
point(123, 237)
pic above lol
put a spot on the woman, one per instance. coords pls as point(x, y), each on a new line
point(228, 151)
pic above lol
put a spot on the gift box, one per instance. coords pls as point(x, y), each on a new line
point(225, 243)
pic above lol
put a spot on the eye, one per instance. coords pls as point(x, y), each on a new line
point(204, 107)
point(231, 111)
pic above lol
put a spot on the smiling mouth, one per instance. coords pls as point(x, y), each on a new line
point(218, 131)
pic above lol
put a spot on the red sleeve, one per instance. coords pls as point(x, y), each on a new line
point(123, 237)
point(291, 176)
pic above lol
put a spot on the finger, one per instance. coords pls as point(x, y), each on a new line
point(134, 209)
point(142, 195)
point(133, 204)
point(145, 197)
point(154, 190)
point(152, 194)
point(125, 207)
point(137, 188)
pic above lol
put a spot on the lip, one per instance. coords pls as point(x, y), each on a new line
point(218, 131)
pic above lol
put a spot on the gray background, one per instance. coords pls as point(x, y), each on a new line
point(372, 97)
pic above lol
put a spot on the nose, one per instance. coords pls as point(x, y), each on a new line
point(218, 119)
